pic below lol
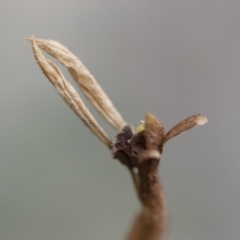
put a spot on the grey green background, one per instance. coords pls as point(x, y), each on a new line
point(174, 58)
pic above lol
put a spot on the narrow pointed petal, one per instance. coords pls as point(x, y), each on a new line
point(87, 83)
point(185, 125)
point(68, 94)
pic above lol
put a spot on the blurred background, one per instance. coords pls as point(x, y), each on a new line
point(172, 58)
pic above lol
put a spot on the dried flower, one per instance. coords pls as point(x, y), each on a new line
point(139, 151)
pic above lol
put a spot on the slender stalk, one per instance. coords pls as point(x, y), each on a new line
point(151, 222)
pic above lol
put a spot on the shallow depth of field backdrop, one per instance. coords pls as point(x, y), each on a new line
point(173, 58)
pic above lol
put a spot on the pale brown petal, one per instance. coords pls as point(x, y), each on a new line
point(68, 94)
point(185, 125)
point(85, 81)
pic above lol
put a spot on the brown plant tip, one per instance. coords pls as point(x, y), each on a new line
point(185, 125)
point(154, 132)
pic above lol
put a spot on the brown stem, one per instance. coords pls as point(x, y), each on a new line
point(150, 223)
point(141, 151)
